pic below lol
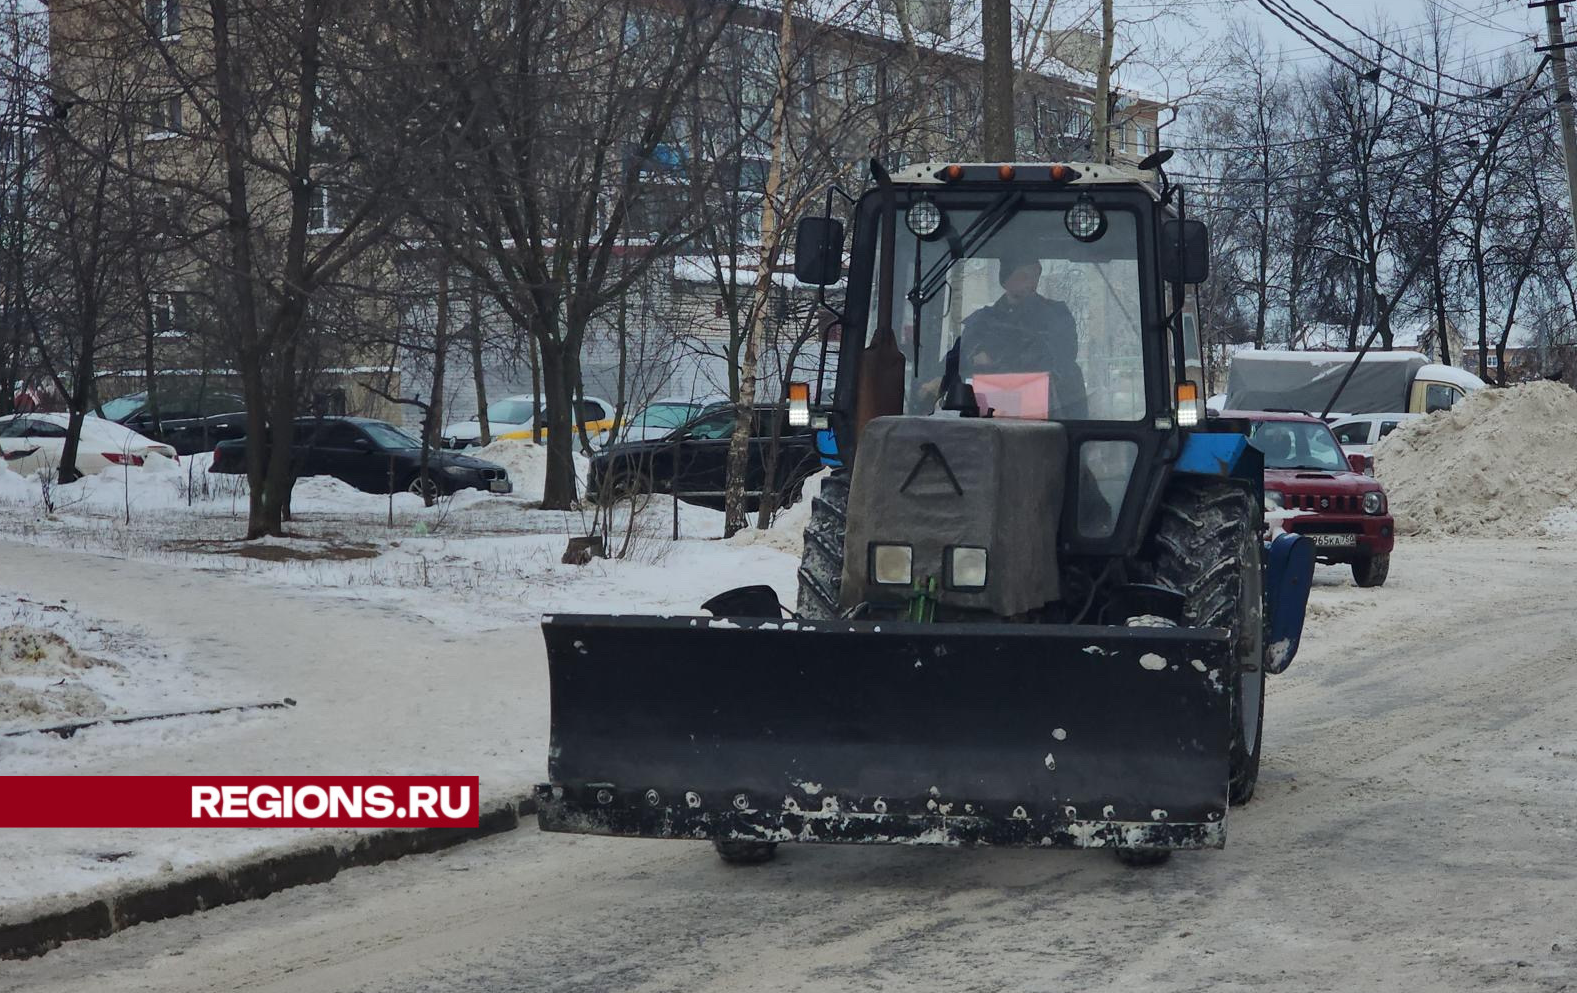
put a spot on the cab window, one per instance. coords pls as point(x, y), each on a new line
point(1439, 396)
point(1352, 433)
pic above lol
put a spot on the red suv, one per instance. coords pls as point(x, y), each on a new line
point(1342, 511)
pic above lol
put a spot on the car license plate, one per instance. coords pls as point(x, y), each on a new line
point(1336, 540)
point(498, 485)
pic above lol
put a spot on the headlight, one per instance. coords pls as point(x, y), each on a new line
point(924, 218)
point(892, 565)
point(966, 568)
point(1084, 220)
point(1374, 502)
point(456, 470)
point(1273, 500)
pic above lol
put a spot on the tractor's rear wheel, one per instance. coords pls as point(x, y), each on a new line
point(1206, 547)
point(821, 564)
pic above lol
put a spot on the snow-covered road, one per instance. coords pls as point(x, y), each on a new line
point(1414, 829)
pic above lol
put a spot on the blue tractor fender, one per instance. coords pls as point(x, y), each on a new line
point(1289, 573)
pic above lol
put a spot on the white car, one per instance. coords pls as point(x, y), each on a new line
point(1359, 433)
point(512, 415)
point(32, 442)
point(659, 418)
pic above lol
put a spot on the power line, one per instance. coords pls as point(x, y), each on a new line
point(1281, 9)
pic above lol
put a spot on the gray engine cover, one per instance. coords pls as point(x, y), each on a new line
point(933, 482)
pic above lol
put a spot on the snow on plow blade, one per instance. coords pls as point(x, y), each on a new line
point(872, 732)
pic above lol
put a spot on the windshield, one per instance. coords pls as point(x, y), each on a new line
point(509, 412)
point(665, 415)
point(1037, 323)
point(1297, 445)
point(121, 408)
point(389, 436)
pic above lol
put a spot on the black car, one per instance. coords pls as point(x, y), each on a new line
point(369, 454)
point(189, 421)
point(692, 460)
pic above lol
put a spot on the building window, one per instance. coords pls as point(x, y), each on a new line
point(864, 83)
point(837, 68)
point(327, 210)
point(165, 117)
point(1492, 361)
point(164, 17)
point(1142, 139)
point(167, 316)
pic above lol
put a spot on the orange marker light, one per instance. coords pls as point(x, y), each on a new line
point(1061, 173)
point(1187, 404)
point(953, 173)
point(1006, 172)
point(799, 404)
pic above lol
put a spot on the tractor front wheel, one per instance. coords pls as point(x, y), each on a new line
point(821, 564)
point(745, 852)
point(1206, 546)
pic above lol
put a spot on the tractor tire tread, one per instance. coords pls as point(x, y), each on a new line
point(1195, 549)
point(821, 563)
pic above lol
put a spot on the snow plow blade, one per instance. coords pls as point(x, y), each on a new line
point(884, 732)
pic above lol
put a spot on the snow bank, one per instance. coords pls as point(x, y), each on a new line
point(15, 487)
point(42, 677)
point(787, 533)
point(1500, 463)
point(527, 463)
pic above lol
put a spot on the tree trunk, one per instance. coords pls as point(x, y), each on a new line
point(996, 36)
point(1100, 124)
point(739, 442)
point(432, 417)
point(81, 391)
point(559, 489)
point(478, 373)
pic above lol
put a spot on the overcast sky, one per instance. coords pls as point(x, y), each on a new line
point(1486, 30)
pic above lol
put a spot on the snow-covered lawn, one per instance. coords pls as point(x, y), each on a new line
point(411, 648)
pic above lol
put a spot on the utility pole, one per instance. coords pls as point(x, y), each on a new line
point(996, 37)
point(1563, 94)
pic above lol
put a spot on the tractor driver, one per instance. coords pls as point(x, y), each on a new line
point(1023, 332)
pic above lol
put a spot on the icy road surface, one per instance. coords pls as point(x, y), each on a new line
point(1415, 829)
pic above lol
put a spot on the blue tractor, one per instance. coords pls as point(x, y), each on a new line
point(1036, 604)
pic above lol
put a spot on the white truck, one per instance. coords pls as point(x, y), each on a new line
point(1382, 383)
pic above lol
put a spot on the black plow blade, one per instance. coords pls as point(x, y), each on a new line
point(878, 732)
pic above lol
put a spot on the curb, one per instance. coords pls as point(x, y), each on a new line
point(249, 880)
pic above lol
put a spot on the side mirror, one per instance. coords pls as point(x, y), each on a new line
point(362, 445)
point(1359, 462)
point(818, 251)
point(1192, 264)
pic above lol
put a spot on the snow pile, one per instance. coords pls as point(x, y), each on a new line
point(42, 676)
point(1497, 464)
point(15, 487)
point(526, 461)
point(787, 533)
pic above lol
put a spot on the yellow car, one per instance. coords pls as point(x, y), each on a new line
point(594, 412)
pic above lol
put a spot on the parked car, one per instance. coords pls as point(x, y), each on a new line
point(660, 418)
point(502, 415)
point(188, 420)
point(1342, 510)
point(692, 461)
point(36, 441)
point(370, 455)
point(1359, 433)
point(511, 417)
point(595, 413)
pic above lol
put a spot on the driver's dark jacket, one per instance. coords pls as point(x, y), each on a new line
point(1037, 335)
